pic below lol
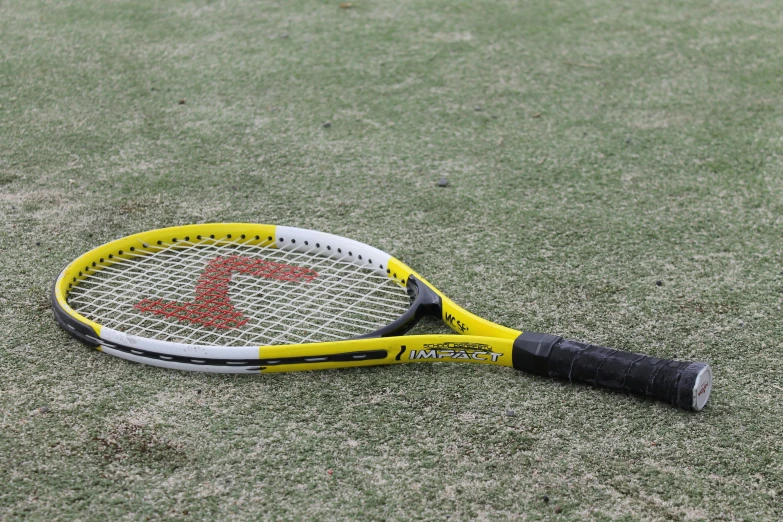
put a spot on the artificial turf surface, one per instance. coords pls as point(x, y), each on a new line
point(615, 175)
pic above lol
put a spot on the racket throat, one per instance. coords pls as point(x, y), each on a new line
point(424, 302)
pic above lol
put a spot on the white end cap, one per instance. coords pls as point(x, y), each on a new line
point(702, 388)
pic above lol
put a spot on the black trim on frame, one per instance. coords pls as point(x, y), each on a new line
point(77, 329)
point(255, 364)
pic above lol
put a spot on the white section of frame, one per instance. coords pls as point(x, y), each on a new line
point(179, 349)
point(330, 245)
point(251, 369)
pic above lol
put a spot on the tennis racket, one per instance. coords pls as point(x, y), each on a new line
point(250, 298)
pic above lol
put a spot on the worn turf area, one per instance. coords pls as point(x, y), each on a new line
point(615, 175)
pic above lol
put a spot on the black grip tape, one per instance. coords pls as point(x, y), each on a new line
point(666, 380)
point(661, 379)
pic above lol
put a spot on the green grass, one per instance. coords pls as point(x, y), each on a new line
point(592, 148)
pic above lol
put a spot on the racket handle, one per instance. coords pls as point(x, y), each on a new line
point(681, 383)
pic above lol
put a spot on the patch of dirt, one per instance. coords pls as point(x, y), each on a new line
point(42, 204)
point(137, 443)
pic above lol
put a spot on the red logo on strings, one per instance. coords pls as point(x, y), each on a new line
point(212, 306)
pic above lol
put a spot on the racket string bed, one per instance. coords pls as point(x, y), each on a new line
point(324, 291)
point(212, 306)
point(319, 308)
point(291, 296)
point(304, 305)
point(352, 305)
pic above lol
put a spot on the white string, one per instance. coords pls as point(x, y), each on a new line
point(343, 301)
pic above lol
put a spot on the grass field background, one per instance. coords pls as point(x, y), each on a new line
point(593, 149)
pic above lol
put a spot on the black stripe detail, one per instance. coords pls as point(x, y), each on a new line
point(77, 329)
point(368, 355)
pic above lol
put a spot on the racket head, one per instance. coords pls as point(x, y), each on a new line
point(226, 293)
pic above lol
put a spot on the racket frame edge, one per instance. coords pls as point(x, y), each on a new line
point(136, 245)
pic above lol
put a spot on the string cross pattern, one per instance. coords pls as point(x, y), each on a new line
point(212, 306)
